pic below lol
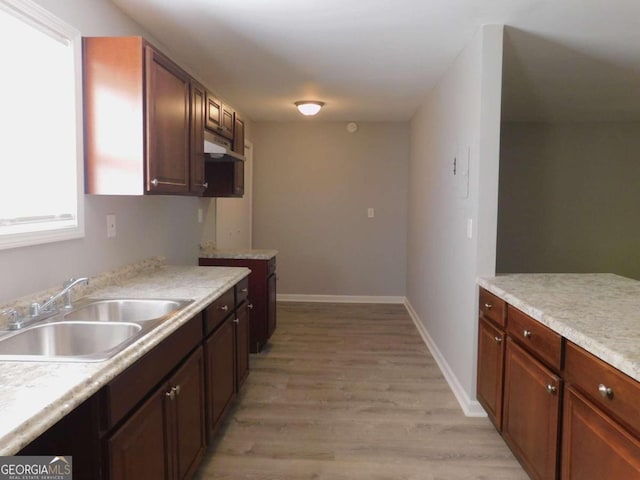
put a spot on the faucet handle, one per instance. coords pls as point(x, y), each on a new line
point(11, 315)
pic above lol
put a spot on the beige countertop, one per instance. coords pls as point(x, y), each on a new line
point(210, 251)
point(35, 395)
point(252, 254)
point(598, 312)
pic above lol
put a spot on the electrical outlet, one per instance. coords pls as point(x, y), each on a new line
point(200, 217)
point(370, 212)
point(111, 226)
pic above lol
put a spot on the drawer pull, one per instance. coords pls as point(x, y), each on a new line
point(176, 389)
point(250, 306)
point(552, 389)
point(236, 320)
point(244, 290)
point(171, 394)
point(497, 339)
point(527, 333)
point(488, 306)
point(224, 308)
point(605, 392)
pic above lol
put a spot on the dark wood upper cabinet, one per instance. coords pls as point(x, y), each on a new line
point(197, 116)
point(167, 125)
point(137, 119)
point(219, 117)
point(238, 134)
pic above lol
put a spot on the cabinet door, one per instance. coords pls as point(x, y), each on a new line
point(491, 345)
point(197, 138)
point(167, 126)
point(242, 345)
point(238, 135)
point(594, 447)
point(271, 305)
point(531, 412)
point(213, 113)
point(220, 368)
point(188, 411)
point(226, 127)
point(141, 447)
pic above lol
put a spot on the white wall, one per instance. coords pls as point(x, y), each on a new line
point(146, 226)
point(461, 114)
point(569, 198)
point(313, 183)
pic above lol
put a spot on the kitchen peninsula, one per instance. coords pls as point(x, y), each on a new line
point(559, 371)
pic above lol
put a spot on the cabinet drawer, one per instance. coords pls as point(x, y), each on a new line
point(271, 266)
point(242, 290)
point(539, 339)
point(591, 375)
point(219, 310)
point(492, 307)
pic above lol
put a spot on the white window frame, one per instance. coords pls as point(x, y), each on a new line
point(44, 20)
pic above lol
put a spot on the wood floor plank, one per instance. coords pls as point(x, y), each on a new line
point(351, 392)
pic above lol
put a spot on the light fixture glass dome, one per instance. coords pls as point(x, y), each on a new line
point(309, 107)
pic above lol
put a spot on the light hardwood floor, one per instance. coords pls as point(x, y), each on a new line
point(350, 392)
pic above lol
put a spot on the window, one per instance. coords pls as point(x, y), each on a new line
point(41, 175)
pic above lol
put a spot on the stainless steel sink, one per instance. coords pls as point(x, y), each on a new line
point(125, 310)
point(94, 331)
point(79, 341)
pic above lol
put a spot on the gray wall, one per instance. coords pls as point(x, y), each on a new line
point(313, 183)
point(569, 198)
point(146, 226)
point(462, 112)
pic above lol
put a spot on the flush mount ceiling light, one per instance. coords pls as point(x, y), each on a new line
point(309, 107)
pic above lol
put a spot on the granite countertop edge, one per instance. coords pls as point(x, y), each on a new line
point(574, 325)
point(206, 284)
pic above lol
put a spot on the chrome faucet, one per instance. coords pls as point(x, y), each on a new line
point(50, 305)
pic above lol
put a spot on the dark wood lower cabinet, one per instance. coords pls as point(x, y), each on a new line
point(220, 364)
point(164, 438)
point(189, 413)
point(594, 446)
point(140, 448)
point(491, 345)
point(271, 304)
point(531, 410)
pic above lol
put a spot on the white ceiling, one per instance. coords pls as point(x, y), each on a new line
point(375, 60)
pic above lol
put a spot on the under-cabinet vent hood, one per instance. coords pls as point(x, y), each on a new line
point(218, 152)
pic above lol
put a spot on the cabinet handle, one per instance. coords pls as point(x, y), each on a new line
point(176, 390)
point(224, 308)
point(527, 333)
point(236, 320)
point(245, 290)
point(250, 306)
point(154, 182)
point(497, 339)
point(605, 392)
point(171, 394)
point(552, 389)
point(488, 306)
point(205, 185)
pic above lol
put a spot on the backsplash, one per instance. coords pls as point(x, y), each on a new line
point(113, 277)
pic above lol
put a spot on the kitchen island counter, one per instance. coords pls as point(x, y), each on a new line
point(598, 312)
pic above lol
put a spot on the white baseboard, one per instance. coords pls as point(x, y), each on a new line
point(286, 297)
point(471, 408)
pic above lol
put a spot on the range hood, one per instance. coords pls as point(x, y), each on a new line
point(220, 152)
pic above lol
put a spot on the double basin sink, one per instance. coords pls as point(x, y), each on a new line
point(93, 331)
